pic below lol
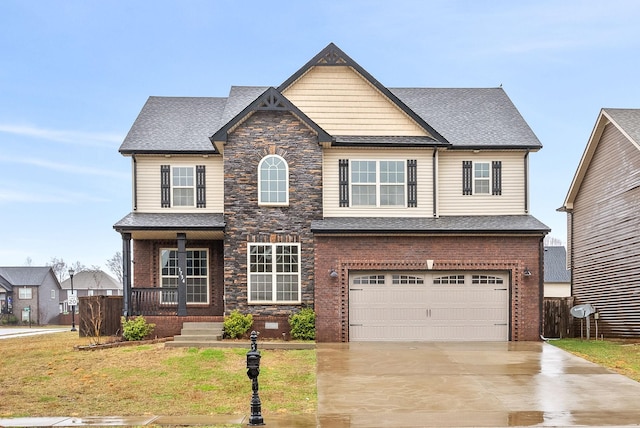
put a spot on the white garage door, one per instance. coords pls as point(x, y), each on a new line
point(425, 306)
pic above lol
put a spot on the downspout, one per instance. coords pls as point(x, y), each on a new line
point(526, 182)
point(435, 182)
point(541, 284)
point(135, 182)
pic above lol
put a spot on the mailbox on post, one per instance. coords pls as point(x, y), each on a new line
point(253, 370)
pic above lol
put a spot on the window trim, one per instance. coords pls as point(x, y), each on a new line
point(378, 184)
point(274, 274)
point(22, 293)
point(174, 187)
point(286, 191)
point(476, 179)
point(207, 276)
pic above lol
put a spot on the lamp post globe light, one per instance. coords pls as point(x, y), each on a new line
point(73, 307)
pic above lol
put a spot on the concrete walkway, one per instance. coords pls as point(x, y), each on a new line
point(11, 332)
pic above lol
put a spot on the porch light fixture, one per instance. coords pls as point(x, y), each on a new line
point(333, 273)
point(527, 272)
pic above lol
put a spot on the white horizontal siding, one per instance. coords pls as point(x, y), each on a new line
point(331, 201)
point(453, 202)
point(148, 182)
point(343, 103)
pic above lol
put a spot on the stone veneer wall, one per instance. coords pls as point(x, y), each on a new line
point(411, 253)
point(262, 134)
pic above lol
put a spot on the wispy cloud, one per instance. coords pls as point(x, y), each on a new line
point(65, 167)
point(61, 197)
point(94, 139)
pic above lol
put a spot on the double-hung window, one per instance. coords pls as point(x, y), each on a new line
point(183, 186)
point(274, 273)
point(378, 183)
point(273, 181)
point(25, 293)
point(197, 275)
point(482, 178)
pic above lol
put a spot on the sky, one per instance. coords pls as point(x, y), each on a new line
point(74, 75)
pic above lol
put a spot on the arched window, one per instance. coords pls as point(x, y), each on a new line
point(273, 181)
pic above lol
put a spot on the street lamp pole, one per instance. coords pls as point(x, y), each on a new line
point(73, 308)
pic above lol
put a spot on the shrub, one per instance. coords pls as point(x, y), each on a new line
point(236, 324)
point(136, 328)
point(303, 324)
point(9, 320)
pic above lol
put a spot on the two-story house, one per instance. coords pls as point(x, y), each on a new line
point(30, 293)
point(397, 214)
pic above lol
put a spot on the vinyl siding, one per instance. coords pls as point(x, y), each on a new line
point(341, 102)
point(148, 182)
point(453, 202)
point(331, 206)
point(606, 235)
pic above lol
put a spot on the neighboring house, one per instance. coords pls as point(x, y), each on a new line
point(396, 214)
point(90, 283)
point(30, 293)
point(602, 206)
point(557, 278)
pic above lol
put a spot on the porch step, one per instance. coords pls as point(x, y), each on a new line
point(197, 335)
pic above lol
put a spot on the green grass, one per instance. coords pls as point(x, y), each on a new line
point(620, 356)
point(45, 376)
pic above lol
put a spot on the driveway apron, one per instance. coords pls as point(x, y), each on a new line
point(436, 384)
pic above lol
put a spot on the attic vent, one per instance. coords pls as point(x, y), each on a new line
point(271, 102)
point(332, 57)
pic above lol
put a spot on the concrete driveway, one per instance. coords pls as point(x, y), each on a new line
point(468, 384)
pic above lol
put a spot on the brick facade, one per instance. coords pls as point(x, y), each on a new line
point(473, 253)
point(146, 271)
point(266, 133)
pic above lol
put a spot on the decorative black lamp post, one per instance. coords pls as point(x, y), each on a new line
point(73, 299)
point(253, 371)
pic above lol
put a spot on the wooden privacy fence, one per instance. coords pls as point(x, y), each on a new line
point(557, 319)
point(100, 315)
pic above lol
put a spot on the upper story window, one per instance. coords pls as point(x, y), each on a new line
point(378, 183)
point(273, 181)
point(274, 273)
point(25, 293)
point(182, 186)
point(481, 178)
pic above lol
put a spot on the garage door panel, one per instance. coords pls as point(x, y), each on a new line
point(425, 311)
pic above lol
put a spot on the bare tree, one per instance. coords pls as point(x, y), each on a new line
point(28, 261)
point(552, 241)
point(59, 268)
point(115, 266)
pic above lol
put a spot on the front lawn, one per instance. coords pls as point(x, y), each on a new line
point(44, 376)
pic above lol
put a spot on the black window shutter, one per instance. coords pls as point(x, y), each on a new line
point(343, 182)
point(412, 183)
point(165, 186)
point(496, 178)
point(201, 194)
point(467, 178)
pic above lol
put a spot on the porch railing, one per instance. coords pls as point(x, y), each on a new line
point(154, 301)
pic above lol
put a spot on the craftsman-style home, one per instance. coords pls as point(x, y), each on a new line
point(395, 213)
point(602, 207)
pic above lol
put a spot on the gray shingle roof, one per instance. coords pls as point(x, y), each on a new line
point(170, 221)
point(175, 124)
point(91, 280)
point(466, 117)
point(24, 275)
point(479, 224)
point(628, 120)
point(471, 117)
point(555, 265)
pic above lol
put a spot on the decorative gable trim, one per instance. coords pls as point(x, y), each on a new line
point(334, 56)
point(270, 100)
